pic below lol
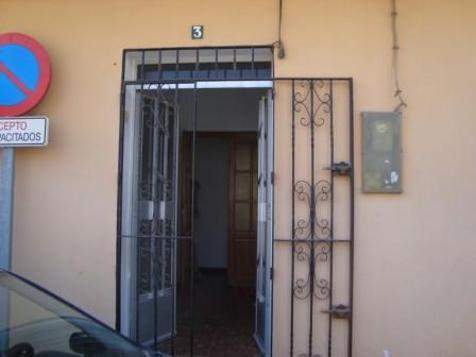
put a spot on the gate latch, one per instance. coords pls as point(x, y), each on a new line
point(339, 311)
point(341, 168)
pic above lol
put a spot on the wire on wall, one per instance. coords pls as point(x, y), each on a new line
point(396, 51)
point(279, 44)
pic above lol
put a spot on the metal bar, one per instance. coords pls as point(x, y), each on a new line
point(7, 178)
point(253, 60)
point(352, 216)
point(315, 241)
point(156, 160)
point(159, 64)
point(157, 237)
point(331, 257)
point(175, 197)
point(216, 62)
point(273, 79)
point(234, 59)
point(142, 68)
point(293, 221)
point(158, 176)
point(197, 62)
point(272, 218)
point(312, 222)
point(163, 218)
point(177, 63)
point(119, 199)
point(270, 47)
point(192, 223)
point(138, 246)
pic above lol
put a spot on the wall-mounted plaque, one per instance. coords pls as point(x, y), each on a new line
point(381, 140)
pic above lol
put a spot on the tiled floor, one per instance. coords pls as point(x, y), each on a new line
point(224, 320)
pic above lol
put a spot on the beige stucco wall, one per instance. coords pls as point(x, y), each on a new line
point(414, 259)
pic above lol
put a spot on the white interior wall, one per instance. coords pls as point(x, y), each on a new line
point(212, 200)
point(219, 110)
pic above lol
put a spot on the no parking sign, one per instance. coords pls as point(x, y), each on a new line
point(25, 74)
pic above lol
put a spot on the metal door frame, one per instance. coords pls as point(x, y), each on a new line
point(313, 241)
point(158, 118)
point(267, 130)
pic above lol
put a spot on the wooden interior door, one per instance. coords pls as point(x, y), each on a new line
point(242, 210)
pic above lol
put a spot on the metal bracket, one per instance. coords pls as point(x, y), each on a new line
point(341, 168)
point(339, 311)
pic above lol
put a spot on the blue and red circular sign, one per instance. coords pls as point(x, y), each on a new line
point(25, 73)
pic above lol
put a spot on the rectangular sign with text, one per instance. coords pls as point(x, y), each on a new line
point(23, 131)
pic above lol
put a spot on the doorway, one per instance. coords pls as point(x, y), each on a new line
point(156, 281)
point(191, 247)
point(227, 315)
point(225, 213)
point(226, 204)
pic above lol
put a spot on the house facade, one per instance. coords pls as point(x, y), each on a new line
point(123, 213)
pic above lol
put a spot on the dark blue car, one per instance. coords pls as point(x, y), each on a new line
point(35, 322)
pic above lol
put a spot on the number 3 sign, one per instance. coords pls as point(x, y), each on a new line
point(197, 32)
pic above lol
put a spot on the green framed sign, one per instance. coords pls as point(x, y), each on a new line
point(381, 149)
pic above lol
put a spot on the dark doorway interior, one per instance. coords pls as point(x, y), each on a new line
point(225, 248)
point(225, 227)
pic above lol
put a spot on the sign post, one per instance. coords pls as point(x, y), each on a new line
point(14, 132)
point(7, 173)
point(25, 75)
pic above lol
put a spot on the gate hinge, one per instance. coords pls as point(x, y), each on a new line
point(271, 273)
point(271, 178)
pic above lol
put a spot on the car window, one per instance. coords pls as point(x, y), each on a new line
point(32, 324)
point(45, 327)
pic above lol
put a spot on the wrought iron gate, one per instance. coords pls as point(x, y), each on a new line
point(313, 198)
point(320, 205)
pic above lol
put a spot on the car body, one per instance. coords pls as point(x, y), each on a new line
point(36, 322)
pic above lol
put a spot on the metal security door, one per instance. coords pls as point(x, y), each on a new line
point(315, 198)
point(156, 250)
point(309, 223)
point(265, 228)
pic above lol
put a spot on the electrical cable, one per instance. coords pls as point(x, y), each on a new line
point(396, 50)
point(279, 43)
point(280, 19)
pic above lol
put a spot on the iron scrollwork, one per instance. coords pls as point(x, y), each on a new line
point(305, 253)
point(314, 226)
point(312, 102)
